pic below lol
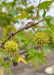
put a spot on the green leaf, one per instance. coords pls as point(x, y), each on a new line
point(45, 4)
point(15, 58)
point(42, 57)
point(13, 12)
point(36, 61)
point(6, 55)
point(1, 60)
point(7, 66)
point(42, 60)
point(51, 26)
point(44, 14)
point(52, 19)
point(45, 49)
point(50, 47)
point(9, 70)
point(23, 15)
point(53, 36)
point(4, 3)
point(30, 9)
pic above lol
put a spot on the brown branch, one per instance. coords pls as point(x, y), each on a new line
point(17, 56)
point(36, 16)
point(22, 51)
point(26, 27)
point(42, 26)
point(33, 29)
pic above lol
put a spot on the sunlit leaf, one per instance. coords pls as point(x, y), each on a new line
point(23, 15)
point(45, 4)
point(21, 59)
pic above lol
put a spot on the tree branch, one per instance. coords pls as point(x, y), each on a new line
point(33, 29)
point(22, 51)
point(26, 27)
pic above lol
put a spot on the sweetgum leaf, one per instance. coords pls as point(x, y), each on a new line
point(45, 4)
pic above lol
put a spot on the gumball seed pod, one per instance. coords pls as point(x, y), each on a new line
point(11, 47)
point(41, 39)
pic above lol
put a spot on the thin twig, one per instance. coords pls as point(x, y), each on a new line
point(37, 11)
point(33, 29)
point(36, 16)
point(42, 26)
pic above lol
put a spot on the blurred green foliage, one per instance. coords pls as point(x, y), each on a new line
point(10, 13)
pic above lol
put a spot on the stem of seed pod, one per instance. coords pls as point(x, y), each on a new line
point(17, 56)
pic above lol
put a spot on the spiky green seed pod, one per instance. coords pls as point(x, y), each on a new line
point(10, 47)
point(41, 39)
